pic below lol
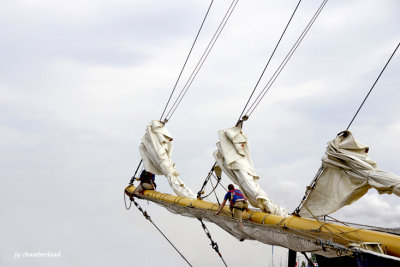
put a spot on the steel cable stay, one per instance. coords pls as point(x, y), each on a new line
point(147, 216)
point(213, 244)
point(179, 76)
point(187, 58)
point(175, 105)
point(313, 182)
point(201, 60)
point(266, 88)
point(280, 67)
point(269, 60)
point(255, 87)
point(196, 71)
point(377, 79)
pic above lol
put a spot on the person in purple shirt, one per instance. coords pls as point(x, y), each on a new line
point(238, 203)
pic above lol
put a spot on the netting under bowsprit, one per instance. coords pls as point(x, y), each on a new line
point(325, 244)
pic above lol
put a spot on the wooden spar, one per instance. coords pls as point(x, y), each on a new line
point(391, 242)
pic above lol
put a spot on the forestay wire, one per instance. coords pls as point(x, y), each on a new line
point(179, 76)
point(355, 115)
point(266, 88)
point(255, 87)
point(187, 58)
point(177, 102)
point(146, 215)
point(313, 182)
point(213, 244)
point(201, 61)
point(269, 60)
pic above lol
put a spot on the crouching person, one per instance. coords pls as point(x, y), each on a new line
point(147, 182)
point(238, 203)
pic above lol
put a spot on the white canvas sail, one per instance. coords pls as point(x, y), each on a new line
point(348, 174)
point(233, 157)
point(156, 152)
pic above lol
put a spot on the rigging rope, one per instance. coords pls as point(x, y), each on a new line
point(213, 190)
point(202, 60)
point(257, 101)
point(134, 175)
point(308, 190)
point(312, 185)
point(187, 58)
point(372, 87)
point(269, 60)
point(213, 244)
point(130, 203)
point(146, 215)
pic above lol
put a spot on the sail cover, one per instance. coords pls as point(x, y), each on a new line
point(156, 151)
point(233, 157)
point(348, 173)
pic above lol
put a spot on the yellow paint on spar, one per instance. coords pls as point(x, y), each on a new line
point(391, 242)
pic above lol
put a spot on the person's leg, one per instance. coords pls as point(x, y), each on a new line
point(238, 213)
point(138, 189)
point(147, 186)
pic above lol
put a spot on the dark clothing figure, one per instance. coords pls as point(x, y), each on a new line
point(146, 182)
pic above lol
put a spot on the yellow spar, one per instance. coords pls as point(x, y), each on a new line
point(391, 242)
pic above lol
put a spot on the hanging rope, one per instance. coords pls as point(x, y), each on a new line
point(130, 203)
point(146, 215)
point(355, 115)
point(202, 60)
point(205, 182)
point(187, 58)
point(269, 60)
point(213, 244)
point(213, 190)
point(257, 101)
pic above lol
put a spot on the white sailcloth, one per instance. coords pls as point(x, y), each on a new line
point(233, 157)
point(348, 174)
point(156, 150)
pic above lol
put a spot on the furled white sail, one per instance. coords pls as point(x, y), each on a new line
point(347, 175)
point(233, 157)
point(156, 151)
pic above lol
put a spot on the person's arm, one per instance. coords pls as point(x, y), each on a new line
point(221, 206)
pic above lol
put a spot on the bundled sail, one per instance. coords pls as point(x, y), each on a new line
point(348, 173)
point(156, 152)
point(233, 157)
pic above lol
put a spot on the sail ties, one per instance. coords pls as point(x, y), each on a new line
point(233, 157)
point(347, 174)
point(349, 156)
point(156, 151)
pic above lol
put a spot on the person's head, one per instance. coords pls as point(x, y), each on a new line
point(231, 187)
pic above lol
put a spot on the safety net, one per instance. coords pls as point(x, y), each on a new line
point(314, 240)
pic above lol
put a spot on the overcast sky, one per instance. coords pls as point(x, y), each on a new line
point(80, 81)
